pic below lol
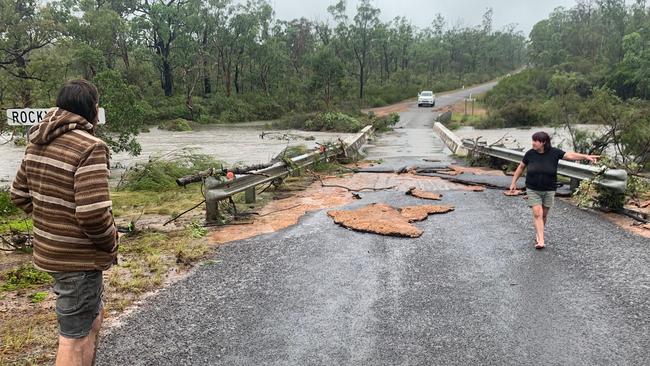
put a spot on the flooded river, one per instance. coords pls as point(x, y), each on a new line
point(242, 144)
point(520, 138)
point(232, 144)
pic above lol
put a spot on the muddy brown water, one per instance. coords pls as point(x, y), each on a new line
point(242, 144)
point(230, 144)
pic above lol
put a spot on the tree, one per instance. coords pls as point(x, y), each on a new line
point(24, 29)
point(328, 73)
point(362, 37)
point(162, 22)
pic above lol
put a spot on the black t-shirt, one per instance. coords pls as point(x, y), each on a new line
point(541, 169)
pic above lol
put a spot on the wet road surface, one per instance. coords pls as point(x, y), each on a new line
point(470, 290)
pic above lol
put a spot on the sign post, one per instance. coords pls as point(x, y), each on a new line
point(32, 116)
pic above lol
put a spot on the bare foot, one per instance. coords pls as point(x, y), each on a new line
point(539, 246)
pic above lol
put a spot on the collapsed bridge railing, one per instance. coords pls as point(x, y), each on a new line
point(615, 179)
point(217, 190)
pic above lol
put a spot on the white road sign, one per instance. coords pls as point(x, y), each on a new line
point(32, 116)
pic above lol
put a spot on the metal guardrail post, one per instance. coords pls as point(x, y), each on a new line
point(212, 214)
point(249, 195)
point(615, 179)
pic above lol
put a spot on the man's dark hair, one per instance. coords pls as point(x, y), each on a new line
point(544, 138)
point(80, 97)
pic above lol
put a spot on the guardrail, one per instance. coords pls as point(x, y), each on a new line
point(217, 191)
point(452, 141)
point(615, 179)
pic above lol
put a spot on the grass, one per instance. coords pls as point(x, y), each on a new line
point(20, 224)
point(147, 258)
point(6, 206)
point(23, 277)
point(25, 338)
point(166, 202)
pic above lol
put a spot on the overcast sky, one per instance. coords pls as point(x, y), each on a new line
point(524, 13)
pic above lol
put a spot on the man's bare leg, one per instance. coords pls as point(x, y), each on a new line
point(79, 352)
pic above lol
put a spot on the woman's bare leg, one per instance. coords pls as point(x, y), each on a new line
point(538, 219)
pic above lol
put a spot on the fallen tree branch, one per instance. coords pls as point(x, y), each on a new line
point(184, 212)
point(349, 189)
point(284, 209)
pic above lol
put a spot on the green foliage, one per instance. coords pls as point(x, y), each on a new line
point(26, 276)
point(228, 62)
point(17, 224)
point(6, 206)
point(382, 124)
point(38, 297)
point(124, 112)
point(327, 121)
point(197, 230)
point(20, 141)
point(333, 121)
point(178, 124)
point(160, 173)
point(637, 187)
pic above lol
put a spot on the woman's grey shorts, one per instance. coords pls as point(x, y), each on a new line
point(544, 198)
point(79, 301)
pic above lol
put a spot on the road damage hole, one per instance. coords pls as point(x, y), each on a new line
point(413, 191)
point(380, 218)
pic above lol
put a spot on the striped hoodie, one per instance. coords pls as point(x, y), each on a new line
point(63, 183)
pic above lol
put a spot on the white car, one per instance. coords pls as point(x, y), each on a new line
point(426, 98)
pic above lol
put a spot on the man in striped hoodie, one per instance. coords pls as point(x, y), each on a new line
point(63, 183)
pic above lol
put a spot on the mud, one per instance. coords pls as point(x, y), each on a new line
point(280, 214)
point(377, 218)
point(423, 194)
point(419, 213)
point(380, 218)
point(395, 108)
point(628, 224)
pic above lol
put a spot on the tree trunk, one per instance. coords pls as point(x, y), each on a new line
point(361, 80)
point(167, 78)
point(26, 89)
point(237, 79)
point(207, 84)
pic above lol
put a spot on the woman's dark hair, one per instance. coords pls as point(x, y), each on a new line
point(544, 138)
point(80, 97)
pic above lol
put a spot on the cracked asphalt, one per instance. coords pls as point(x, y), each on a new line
point(470, 290)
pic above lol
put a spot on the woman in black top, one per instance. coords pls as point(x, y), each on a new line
point(541, 178)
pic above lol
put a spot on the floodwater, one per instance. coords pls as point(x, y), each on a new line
point(520, 138)
point(240, 144)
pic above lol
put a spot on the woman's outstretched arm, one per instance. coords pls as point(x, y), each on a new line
point(572, 155)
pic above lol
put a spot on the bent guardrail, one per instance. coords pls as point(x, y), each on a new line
point(615, 179)
point(217, 190)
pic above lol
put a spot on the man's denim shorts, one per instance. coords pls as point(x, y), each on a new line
point(79, 301)
point(544, 198)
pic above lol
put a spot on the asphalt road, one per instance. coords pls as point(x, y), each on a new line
point(470, 290)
